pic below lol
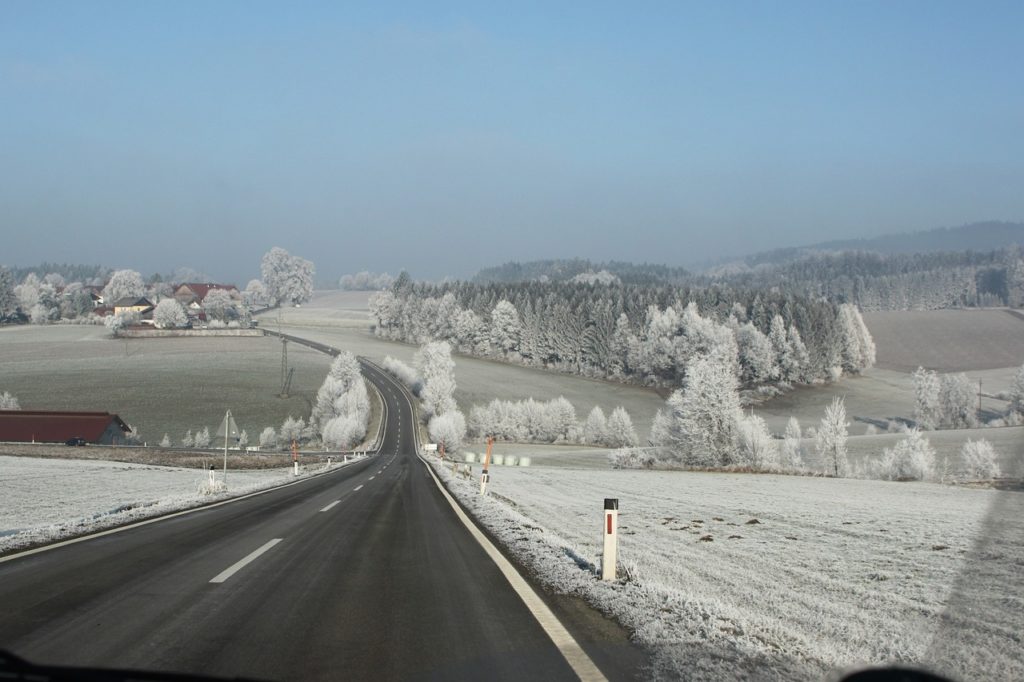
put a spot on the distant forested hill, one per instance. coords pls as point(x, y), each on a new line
point(583, 271)
point(986, 236)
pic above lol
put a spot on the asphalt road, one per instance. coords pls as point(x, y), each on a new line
point(363, 573)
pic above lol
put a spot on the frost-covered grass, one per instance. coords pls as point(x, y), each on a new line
point(734, 576)
point(158, 385)
point(947, 340)
point(48, 499)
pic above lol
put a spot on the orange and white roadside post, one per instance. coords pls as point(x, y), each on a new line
point(610, 558)
point(295, 457)
point(485, 477)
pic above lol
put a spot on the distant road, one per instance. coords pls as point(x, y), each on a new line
point(364, 573)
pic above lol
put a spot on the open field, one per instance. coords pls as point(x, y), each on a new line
point(833, 572)
point(947, 340)
point(46, 499)
point(158, 385)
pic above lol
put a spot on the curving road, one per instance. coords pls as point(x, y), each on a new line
point(362, 573)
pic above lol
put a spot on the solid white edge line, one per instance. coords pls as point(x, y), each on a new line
point(331, 506)
point(570, 649)
point(239, 565)
point(156, 519)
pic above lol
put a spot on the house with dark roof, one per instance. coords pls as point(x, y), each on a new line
point(29, 426)
point(133, 304)
point(194, 292)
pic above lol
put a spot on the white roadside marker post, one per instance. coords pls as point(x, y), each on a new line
point(485, 476)
point(295, 457)
point(609, 559)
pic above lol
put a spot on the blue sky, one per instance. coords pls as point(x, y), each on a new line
point(442, 138)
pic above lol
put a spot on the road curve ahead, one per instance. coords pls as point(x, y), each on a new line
point(362, 573)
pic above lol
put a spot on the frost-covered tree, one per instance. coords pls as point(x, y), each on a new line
point(699, 426)
point(255, 293)
point(166, 441)
point(123, 284)
point(243, 439)
point(792, 454)
point(927, 410)
point(343, 392)
point(435, 366)
point(911, 459)
point(169, 314)
point(8, 299)
point(595, 428)
point(858, 348)
point(757, 447)
point(757, 358)
point(202, 438)
point(218, 303)
point(980, 460)
point(8, 402)
point(1017, 391)
point(343, 432)
point(448, 428)
point(620, 431)
point(506, 328)
point(28, 291)
point(958, 401)
point(288, 279)
point(291, 430)
point(188, 440)
point(268, 437)
point(831, 437)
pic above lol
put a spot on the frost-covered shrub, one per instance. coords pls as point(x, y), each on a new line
point(404, 373)
point(216, 324)
point(188, 440)
point(343, 432)
point(166, 442)
point(757, 447)
point(291, 430)
point(268, 437)
point(448, 428)
point(202, 439)
point(8, 402)
point(632, 458)
point(791, 456)
point(870, 430)
point(980, 460)
point(620, 432)
point(911, 459)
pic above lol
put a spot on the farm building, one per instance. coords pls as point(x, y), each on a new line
point(195, 292)
point(141, 305)
point(26, 426)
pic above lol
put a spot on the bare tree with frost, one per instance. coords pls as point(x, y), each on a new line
point(8, 402)
point(927, 409)
point(831, 437)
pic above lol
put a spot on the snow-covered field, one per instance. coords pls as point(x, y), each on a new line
point(948, 340)
point(158, 385)
point(49, 499)
point(736, 576)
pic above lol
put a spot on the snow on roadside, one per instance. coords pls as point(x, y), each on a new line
point(833, 573)
point(50, 499)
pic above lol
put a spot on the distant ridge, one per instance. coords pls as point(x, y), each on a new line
point(983, 236)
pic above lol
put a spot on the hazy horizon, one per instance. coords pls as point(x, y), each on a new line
point(445, 139)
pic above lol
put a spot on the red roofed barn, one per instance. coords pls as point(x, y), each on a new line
point(26, 426)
